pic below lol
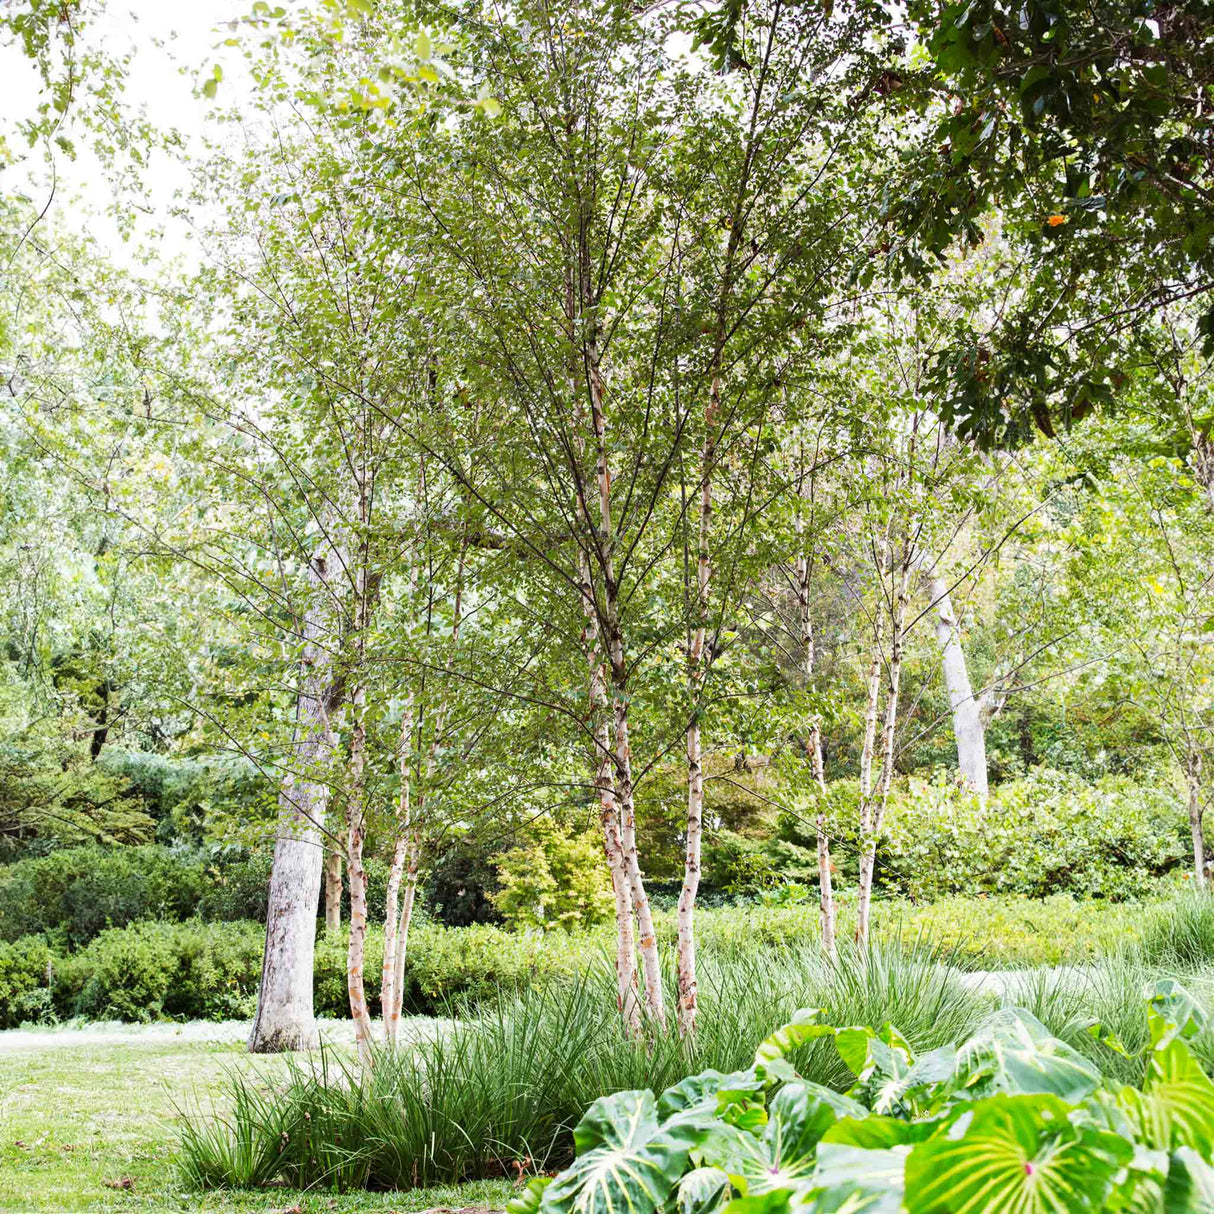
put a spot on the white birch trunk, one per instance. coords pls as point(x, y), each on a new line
point(333, 889)
point(357, 877)
point(285, 1019)
point(968, 727)
point(877, 802)
point(402, 931)
point(688, 988)
point(647, 943)
point(1196, 832)
point(826, 893)
point(388, 1002)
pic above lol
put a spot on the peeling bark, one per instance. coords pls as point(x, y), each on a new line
point(333, 889)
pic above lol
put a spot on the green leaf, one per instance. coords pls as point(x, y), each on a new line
point(701, 1191)
point(1023, 1057)
point(1173, 1013)
point(1176, 1105)
point(624, 1160)
point(1014, 1155)
point(422, 47)
point(528, 1201)
point(1190, 1184)
point(853, 1179)
point(801, 1028)
point(797, 1119)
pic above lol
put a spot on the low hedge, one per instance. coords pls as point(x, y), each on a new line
point(210, 971)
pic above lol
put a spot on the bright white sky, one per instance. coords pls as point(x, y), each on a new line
point(188, 31)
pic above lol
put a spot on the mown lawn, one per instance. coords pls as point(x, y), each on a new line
point(93, 1127)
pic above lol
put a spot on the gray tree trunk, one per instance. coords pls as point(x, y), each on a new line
point(968, 726)
point(285, 1018)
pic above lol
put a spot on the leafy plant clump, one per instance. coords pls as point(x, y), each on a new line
point(1014, 1120)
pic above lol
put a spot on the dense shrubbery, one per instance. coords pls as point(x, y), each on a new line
point(1047, 833)
point(77, 892)
point(211, 970)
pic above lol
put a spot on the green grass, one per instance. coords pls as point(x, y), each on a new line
point(86, 1115)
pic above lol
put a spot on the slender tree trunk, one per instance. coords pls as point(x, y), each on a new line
point(389, 1004)
point(609, 818)
point(647, 943)
point(1195, 823)
point(357, 876)
point(285, 1018)
point(406, 918)
point(877, 802)
point(686, 949)
point(333, 887)
point(826, 893)
point(968, 726)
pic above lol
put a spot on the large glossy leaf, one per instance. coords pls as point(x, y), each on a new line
point(625, 1161)
point(1173, 1013)
point(773, 1049)
point(701, 1191)
point(1190, 1184)
point(1014, 1155)
point(1020, 1056)
point(1176, 1105)
point(876, 1132)
point(754, 1165)
point(696, 1091)
point(799, 1116)
point(851, 1178)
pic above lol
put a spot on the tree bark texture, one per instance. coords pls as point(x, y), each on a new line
point(284, 1019)
point(968, 726)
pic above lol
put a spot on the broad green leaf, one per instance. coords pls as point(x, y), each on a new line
point(625, 1162)
point(1190, 1184)
point(1176, 1105)
point(1014, 1155)
point(701, 1191)
point(1173, 1013)
point(1023, 1057)
point(797, 1119)
point(801, 1028)
point(528, 1201)
point(851, 1178)
point(695, 1091)
point(875, 1132)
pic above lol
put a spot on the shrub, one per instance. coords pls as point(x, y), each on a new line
point(79, 891)
point(151, 970)
point(462, 881)
point(238, 890)
point(26, 974)
point(556, 879)
point(1048, 833)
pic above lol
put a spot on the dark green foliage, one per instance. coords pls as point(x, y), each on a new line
point(149, 971)
point(53, 795)
point(26, 974)
point(238, 889)
point(460, 885)
point(77, 892)
point(180, 793)
point(1048, 833)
